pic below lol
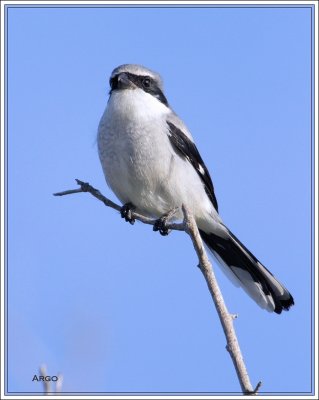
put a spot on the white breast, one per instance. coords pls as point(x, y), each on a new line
point(134, 148)
point(139, 162)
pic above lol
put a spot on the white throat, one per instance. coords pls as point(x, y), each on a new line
point(135, 103)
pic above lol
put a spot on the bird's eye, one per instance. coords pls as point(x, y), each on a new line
point(146, 82)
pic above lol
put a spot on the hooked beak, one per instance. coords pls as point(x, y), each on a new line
point(121, 81)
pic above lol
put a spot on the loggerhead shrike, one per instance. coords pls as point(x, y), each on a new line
point(152, 164)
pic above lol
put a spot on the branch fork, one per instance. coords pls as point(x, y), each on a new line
point(189, 226)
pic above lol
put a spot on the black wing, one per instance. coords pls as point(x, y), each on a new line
point(185, 148)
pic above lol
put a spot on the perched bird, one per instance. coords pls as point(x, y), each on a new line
point(152, 164)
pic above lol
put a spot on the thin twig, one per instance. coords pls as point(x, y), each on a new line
point(256, 390)
point(225, 317)
point(46, 384)
point(189, 225)
point(58, 384)
point(86, 187)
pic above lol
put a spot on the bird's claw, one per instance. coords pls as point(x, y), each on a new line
point(161, 226)
point(126, 213)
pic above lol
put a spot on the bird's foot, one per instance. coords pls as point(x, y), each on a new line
point(162, 223)
point(126, 213)
point(161, 226)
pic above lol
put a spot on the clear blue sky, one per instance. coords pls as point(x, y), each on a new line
point(117, 308)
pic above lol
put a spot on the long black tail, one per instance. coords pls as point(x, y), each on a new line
point(248, 272)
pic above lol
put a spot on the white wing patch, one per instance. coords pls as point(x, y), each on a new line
point(201, 169)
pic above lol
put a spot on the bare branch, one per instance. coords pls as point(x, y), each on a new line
point(258, 386)
point(46, 384)
point(189, 226)
point(225, 317)
point(58, 383)
point(86, 187)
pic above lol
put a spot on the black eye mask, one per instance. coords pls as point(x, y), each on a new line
point(143, 82)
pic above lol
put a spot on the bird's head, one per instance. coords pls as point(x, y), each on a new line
point(133, 76)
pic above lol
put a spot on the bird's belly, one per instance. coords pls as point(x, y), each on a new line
point(138, 169)
point(142, 168)
point(155, 182)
